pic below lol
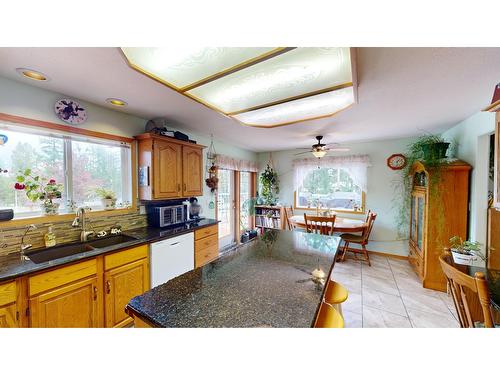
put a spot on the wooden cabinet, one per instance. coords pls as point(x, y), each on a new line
point(206, 245)
point(192, 170)
point(496, 193)
point(169, 168)
point(75, 305)
point(126, 276)
point(438, 211)
point(9, 317)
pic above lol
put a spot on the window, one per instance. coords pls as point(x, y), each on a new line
point(337, 183)
point(245, 200)
point(80, 163)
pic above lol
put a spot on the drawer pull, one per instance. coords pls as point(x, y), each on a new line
point(95, 293)
point(174, 244)
point(108, 287)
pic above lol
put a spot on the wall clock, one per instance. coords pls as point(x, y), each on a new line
point(70, 111)
point(396, 161)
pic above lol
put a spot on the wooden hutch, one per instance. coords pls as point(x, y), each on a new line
point(438, 211)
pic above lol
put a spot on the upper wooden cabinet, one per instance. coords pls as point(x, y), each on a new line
point(169, 168)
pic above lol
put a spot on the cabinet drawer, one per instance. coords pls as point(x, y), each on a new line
point(416, 261)
point(124, 257)
point(206, 242)
point(205, 232)
point(205, 255)
point(7, 293)
point(52, 279)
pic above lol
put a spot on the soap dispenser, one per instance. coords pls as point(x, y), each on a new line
point(50, 238)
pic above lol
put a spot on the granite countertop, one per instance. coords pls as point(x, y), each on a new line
point(263, 283)
point(12, 266)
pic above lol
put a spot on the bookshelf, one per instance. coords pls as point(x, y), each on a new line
point(269, 217)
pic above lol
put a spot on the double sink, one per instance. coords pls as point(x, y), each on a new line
point(62, 251)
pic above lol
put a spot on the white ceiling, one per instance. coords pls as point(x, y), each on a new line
point(401, 92)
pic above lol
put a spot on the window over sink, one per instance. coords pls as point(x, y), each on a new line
point(79, 162)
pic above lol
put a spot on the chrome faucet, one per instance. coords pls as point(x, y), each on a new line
point(26, 246)
point(80, 222)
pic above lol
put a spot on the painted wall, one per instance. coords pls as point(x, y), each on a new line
point(379, 197)
point(28, 101)
point(472, 136)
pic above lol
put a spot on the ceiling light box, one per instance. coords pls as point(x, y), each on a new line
point(262, 87)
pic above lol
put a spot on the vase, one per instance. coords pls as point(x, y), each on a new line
point(50, 208)
point(465, 259)
point(108, 204)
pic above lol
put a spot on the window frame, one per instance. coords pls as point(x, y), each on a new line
point(36, 124)
point(362, 211)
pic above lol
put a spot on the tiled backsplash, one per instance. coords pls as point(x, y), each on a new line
point(64, 231)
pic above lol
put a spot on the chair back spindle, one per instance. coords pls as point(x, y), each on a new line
point(320, 224)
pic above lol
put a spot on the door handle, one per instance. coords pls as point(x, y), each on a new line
point(95, 293)
point(174, 244)
point(108, 287)
point(178, 187)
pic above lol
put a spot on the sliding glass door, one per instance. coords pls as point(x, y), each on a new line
point(226, 208)
point(245, 200)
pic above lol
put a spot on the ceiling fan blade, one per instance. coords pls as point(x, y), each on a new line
point(304, 148)
point(332, 144)
point(301, 153)
point(340, 149)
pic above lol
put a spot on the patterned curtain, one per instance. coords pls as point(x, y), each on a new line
point(226, 162)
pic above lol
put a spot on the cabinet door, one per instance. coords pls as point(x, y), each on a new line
point(192, 164)
point(73, 305)
point(121, 285)
point(167, 170)
point(8, 316)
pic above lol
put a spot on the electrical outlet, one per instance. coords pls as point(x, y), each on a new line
point(142, 210)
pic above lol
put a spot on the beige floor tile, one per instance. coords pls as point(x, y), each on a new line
point(424, 319)
point(376, 271)
point(419, 301)
point(403, 263)
point(353, 271)
point(383, 301)
point(386, 285)
point(353, 303)
point(375, 318)
point(352, 320)
point(414, 285)
point(403, 270)
point(378, 261)
point(353, 285)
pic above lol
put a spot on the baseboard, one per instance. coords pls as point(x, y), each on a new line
point(394, 256)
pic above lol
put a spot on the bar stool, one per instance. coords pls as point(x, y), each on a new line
point(335, 294)
point(328, 317)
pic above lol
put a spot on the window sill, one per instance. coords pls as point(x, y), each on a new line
point(21, 221)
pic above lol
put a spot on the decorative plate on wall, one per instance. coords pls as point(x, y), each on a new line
point(396, 161)
point(70, 111)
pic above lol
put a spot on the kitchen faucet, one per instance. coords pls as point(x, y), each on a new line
point(80, 221)
point(28, 245)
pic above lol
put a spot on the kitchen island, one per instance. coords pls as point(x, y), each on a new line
point(267, 282)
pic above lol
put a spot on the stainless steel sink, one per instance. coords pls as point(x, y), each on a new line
point(62, 251)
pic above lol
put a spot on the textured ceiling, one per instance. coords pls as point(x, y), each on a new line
point(401, 92)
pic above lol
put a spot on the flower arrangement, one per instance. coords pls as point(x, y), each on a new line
point(108, 198)
point(40, 189)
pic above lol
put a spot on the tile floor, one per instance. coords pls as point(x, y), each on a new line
point(389, 295)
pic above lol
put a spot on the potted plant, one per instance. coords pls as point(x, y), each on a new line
point(270, 185)
point(108, 198)
point(40, 189)
point(464, 252)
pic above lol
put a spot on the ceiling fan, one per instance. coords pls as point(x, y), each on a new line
point(320, 149)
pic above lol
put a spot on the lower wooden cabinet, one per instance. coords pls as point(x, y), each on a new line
point(206, 245)
point(9, 317)
point(121, 284)
point(75, 305)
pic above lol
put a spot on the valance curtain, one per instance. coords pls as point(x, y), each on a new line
point(355, 165)
point(226, 162)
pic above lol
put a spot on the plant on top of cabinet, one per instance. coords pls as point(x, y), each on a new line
point(108, 198)
point(40, 188)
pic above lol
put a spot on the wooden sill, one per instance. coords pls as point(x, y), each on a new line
point(19, 222)
point(363, 212)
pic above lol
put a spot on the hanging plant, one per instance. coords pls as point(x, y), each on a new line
point(212, 180)
point(270, 185)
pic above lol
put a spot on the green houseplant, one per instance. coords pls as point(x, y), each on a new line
point(269, 185)
point(42, 189)
point(464, 252)
point(108, 198)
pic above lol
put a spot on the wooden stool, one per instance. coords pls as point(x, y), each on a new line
point(328, 317)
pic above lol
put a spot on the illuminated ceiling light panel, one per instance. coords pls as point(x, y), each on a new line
point(295, 73)
point(181, 67)
point(312, 107)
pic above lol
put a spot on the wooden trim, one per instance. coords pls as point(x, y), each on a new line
point(496, 183)
point(168, 139)
point(362, 212)
point(65, 128)
point(253, 193)
point(387, 255)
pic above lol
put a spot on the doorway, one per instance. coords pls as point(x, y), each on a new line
point(226, 208)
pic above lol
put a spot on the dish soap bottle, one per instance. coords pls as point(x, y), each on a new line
point(50, 238)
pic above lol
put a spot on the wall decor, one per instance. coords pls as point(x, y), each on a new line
point(396, 161)
point(70, 111)
point(3, 139)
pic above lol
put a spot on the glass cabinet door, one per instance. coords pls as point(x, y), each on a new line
point(413, 218)
point(420, 221)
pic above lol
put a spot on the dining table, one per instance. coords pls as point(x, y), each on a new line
point(342, 224)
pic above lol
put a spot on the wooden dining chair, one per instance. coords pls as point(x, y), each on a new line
point(328, 317)
point(320, 224)
point(458, 284)
point(288, 215)
point(360, 240)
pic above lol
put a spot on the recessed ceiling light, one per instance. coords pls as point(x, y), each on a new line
point(32, 74)
point(116, 102)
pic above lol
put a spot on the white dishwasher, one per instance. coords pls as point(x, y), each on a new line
point(171, 258)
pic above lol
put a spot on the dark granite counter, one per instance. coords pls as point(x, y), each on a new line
point(12, 266)
point(264, 283)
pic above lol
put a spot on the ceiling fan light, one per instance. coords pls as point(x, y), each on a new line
point(319, 153)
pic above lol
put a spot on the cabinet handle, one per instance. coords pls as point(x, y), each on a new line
point(178, 187)
point(108, 287)
point(95, 293)
point(184, 186)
